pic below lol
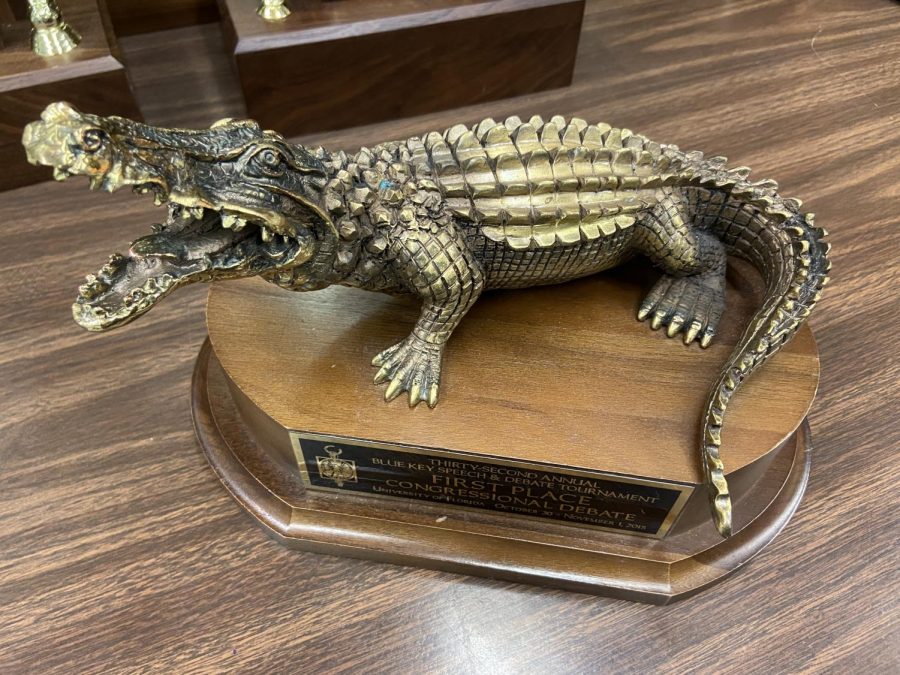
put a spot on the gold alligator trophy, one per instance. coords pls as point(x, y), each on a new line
point(446, 216)
point(51, 36)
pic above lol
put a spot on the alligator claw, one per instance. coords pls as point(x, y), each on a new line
point(690, 304)
point(393, 390)
point(691, 333)
point(413, 366)
point(675, 325)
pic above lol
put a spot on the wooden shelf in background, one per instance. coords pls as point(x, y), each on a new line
point(132, 17)
point(90, 77)
point(350, 62)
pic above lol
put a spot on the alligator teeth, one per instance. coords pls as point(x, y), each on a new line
point(175, 212)
point(229, 220)
point(265, 233)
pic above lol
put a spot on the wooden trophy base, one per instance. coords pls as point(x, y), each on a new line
point(91, 77)
point(343, 63)
point(566, 435)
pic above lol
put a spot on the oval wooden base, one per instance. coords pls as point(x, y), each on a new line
point(487, 544)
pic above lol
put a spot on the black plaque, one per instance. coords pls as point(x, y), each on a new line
point(609, 501)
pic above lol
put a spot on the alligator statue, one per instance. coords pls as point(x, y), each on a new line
point(446, 216)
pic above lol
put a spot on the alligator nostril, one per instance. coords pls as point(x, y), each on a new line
point(43, 148)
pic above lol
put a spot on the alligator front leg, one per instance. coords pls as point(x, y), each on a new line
point(436, 264)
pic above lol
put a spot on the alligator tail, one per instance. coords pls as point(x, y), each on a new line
point(754, 222)
point(789, 250)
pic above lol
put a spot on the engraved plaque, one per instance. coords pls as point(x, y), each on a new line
point(577, 497)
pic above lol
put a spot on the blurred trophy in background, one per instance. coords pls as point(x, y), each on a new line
point(273, 10)
point(51, 36)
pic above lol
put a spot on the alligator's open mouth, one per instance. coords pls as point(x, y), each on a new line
point(193, 244)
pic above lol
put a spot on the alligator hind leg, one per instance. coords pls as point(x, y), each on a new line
point(690, 296)
point(440, 269)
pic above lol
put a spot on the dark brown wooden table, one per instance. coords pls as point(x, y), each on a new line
point(119, 550)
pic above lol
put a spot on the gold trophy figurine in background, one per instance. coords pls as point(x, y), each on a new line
point(273, 10)
point(51, 36)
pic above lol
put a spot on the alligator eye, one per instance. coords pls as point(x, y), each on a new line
point(93, 139)
point(270, 161)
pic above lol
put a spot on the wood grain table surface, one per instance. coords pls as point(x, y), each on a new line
point(121, 552)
